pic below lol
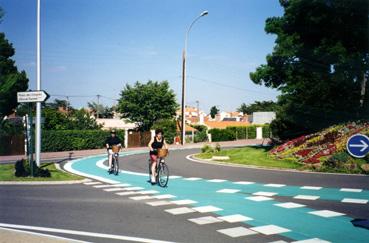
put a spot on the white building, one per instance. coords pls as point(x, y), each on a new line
point(261, 118)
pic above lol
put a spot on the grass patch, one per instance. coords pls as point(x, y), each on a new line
point(7, 174)
point(257, 156)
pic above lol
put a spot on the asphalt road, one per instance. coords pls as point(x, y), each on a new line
point(89, 209)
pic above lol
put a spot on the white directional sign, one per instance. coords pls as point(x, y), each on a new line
point(32, 96)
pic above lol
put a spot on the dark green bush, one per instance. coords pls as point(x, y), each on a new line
point(22, 169)
point(201, 136)
point(221, 135)
point(233, 133)
point(67, 140)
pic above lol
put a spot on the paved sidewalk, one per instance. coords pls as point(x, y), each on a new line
point(16, 236)
point(68, 155)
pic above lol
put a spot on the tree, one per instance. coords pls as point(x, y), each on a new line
point(11, 80)
point(257, 106)
point(103, 111)
point(213, 111)
point(320, 64)
point(146, 103)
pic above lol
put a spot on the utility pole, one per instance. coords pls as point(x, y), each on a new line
point(198, 109)
point(98, 106)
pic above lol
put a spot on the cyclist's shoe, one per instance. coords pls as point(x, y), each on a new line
point(153, 180)
point(110, 170)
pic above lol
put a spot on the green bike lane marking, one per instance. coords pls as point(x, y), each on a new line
point(302, 224)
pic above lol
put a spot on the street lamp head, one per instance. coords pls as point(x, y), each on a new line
point(204, 13)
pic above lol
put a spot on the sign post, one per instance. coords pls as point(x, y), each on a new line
point(32, 97)
point(358, 145)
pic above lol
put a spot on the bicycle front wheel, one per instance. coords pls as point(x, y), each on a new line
point(163, 175)
point(116, 166)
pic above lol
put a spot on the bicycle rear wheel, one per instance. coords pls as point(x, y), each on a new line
point(116, 165)
point(163, 175)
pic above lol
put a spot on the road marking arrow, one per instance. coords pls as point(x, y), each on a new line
point(363, 145)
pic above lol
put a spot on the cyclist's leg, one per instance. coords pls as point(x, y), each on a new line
point(110, 158)
point(153, 167)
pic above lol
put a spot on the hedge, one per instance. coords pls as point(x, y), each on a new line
point(67, 140)
point(234, 133)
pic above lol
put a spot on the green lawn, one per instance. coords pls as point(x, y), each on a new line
point(7, 174)
point(257, 156)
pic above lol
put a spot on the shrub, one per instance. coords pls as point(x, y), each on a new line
point(67, 140)
point(207, 149)
point(218, 135)
point(217, 147)
point(22, 169)
point(201, 136)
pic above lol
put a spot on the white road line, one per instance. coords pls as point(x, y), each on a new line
point(237, 232)
point(192, 179)
point(244, 182)
point(350, 190)
point(207, 209)
point(290, 205)
point(140, 198)
point(175, 177)
point(149, 192)
point(103, 186)
point(205, 220)
point(114, 189)
point(306, 197)
point(326, 213)
point(353, 200)
point(82, 233)
point(121, 185)
point(266, 194)
point(270, 229)
point(228, 191)
point(165, 196)
point(259, 198)
point(314, 240)
point(235, 218)
point(183, 202)
point(216, 180)
point(92, 183)
point(126, 193)
point(311, 188)
point(159, 203)
point(178, 211)
point(275, 185)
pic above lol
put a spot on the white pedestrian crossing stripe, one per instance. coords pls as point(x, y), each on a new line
point(259, 198)
point(306, 197)
point(178, 211)
point(237, 232)
point(270, 229)
point(289, 205)
point(205, 220)
point(235, 218)
point(353, 200)
point(326, 213)
point(207, 209)
point(228, 191)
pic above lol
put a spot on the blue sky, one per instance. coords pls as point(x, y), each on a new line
point(92, 47)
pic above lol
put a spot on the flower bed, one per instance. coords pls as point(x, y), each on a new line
point(316, 147)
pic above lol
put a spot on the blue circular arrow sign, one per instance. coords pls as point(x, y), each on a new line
point(358, 145)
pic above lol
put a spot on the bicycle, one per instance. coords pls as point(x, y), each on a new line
point(115, 160)
point(162, 170)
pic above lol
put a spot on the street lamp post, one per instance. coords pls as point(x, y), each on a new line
point(183, 135)
point(38, 86)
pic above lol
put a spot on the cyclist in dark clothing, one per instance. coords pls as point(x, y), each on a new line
point(156, 143)
point(109, 143)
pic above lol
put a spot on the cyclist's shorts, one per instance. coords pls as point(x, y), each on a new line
point(153, 157)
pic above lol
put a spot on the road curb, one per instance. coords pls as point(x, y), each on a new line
point(210, 162)
point(12, 183)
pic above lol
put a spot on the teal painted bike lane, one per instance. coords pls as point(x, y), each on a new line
point(299, 221)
